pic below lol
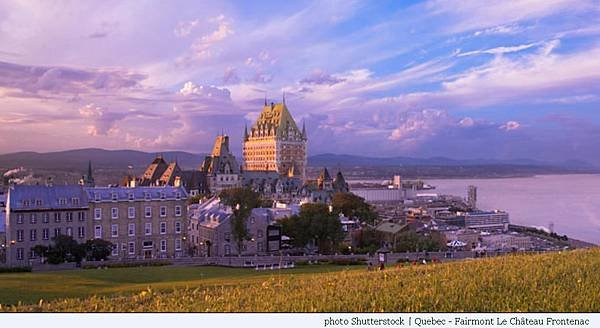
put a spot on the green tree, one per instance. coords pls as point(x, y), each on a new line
point(368, 240)
point(97, 249)
point(63, 249)
point(314, 223)
point(242, 201)
point(353, 206)
point(410, 241)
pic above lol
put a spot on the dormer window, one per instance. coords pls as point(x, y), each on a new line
point(97, 197)
point(178, 195)
point(147, 195)
point(131, 196)
point(75, 201)
point(163, 195)
point(62, 201)
point(26, 203)
point(38, 202)
point(114, 196)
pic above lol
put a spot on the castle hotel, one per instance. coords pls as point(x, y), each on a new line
point(274, 143)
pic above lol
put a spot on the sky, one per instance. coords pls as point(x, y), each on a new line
point(460, 79)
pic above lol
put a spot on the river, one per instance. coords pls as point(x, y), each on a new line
point(570, 202)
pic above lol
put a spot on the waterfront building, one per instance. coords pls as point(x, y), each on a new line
point(275, 143)
point(143, 222)
point(472, 197)
point(221, 168)
point(36, 214)
point(390, 232)
point(487, 221)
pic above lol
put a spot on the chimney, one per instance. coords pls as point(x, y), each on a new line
point(132, 183)
point(177, 182)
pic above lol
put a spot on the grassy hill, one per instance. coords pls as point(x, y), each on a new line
point(554, 282)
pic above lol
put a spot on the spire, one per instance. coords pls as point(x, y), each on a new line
point(265, 99)
point(89, 172)
point(284, 97)
point(303, 129)
point(246, 131)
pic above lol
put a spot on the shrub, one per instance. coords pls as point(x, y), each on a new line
point(16, 269)
point(128, 264)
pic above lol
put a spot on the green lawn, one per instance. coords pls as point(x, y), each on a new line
point(29, 288)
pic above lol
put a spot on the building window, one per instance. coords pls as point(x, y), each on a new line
point(114, 196)
point(178, 210)
point(163, 228)
point(178, 195)
point(163, 195)
point(38, 202)
point(114, 230)
point(227, 250)
point(97, 196)
point(227, 237)
point(131, 212)
point(81, 232)
point(259, 233)
point(97, 214)
point(57, 217)
point(163, 245)
point(46, 217)
point(81, 216)
point(148, 211)
point(98, 232)
point(147, 195)
point(69, 216)
point(69, 231)
point(20, 235)
point(19, 253)
point(131, 197)
point(177, 226)
point(75, 201)
point(56, 232)
point(260, 246)
point(148, 228)
point(163, 211)
point(114, 213)
point(19, 218)
point(45, 234)
point(131, 248)
point(62, 201)
point(177, 244)
point(115, 250)
point(25, 203)
point(131, 229)
point(33, 234)
point(33, 218)
point(252, 220)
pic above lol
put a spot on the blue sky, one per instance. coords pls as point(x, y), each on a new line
point(462, 79)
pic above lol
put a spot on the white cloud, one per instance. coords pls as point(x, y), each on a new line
point(498, 50)
point(184, 29)
point(510, 126)
point(466, 122)
point(189, 88)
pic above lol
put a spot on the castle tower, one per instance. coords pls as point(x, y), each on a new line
point(275, 143)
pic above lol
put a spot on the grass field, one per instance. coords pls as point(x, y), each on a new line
point(29, 288)
point(556, 282)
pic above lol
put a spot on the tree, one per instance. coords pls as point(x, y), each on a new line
point(314, 223)
point(63, 249)
point(242, 201)
point(410, 241)
point(97, 249)
point(368, 240)
point(353, 206)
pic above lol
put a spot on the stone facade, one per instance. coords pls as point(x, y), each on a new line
point(142, 222)
point(36, 214)
point(274, 143)
point(221, 168)
point(210, 224)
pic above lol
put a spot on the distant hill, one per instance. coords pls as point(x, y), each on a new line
point(106, 159)
point(333, 160)
point(121, 159)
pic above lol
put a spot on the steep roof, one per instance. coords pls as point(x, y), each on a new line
point(274, 120)
point(324, 175)
point(220, 158)
point(24, 197)
point(154, 171)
